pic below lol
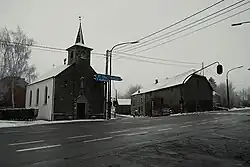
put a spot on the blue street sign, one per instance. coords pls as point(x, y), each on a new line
point(106, 78)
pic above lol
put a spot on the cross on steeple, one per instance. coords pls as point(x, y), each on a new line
point(79, 37)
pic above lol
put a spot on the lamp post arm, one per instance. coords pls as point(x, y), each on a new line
point(124, 43)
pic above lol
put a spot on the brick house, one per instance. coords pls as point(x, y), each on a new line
point(153, 100)
point(123, 106)
point(6, 93)
point(68, 91)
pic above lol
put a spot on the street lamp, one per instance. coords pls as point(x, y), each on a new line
point(239, 24)
point(110, 72)
point(228, 97)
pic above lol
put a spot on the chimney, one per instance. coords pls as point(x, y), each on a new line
point(64, 61)
point(156, 81)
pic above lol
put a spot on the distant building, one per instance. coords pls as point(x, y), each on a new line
point(123, 106)
point(160, 96)
point(6, 92)
point(68, 91)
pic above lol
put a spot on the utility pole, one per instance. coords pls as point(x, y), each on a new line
point(106, 85)
point(203, 71)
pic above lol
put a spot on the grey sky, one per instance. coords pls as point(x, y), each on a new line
point(106, 23)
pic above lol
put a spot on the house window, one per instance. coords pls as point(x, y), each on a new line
point(171, 89)
point(161, 100)
point(141, 100)
point(82, 82)
point(46, 95)
point(30, 98)
point(65, 83)
point(71, 55)
point(198, 84)
point(37, 96)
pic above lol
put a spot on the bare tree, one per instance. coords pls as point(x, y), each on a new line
point(221, 89)
point(213, 83)
point(132, 89)
point(14, 55)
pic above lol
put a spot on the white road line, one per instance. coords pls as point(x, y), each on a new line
point(11, 132)
point(119, 131)
point(185, 126)
point(127, 122)
point(144, 142)
point(159, 130)
point(39, 148)
point(27, 142)
point(111, 123)
point(100, 139)
point(138, 133)
point(76, 137)
point(145, 128)
point(188, 122)
point(201, 123)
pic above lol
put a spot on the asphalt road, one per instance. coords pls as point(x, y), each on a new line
point(192, 140)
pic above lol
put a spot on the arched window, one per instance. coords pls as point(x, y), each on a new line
point(30, 98)
point(46, 95)
point(37, 96)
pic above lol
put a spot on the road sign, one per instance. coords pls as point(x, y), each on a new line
point(106, 78)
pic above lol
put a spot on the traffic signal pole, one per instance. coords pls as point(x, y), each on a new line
point(106, 86)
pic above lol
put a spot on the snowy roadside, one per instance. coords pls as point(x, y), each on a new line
point(220, 112)
point(7, 123)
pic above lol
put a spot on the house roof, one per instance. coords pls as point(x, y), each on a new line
point(124, 101)
point(50, 74)
point(170, 82)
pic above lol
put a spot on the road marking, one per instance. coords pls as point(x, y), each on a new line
point(201, 123)
point(111, 123)
point(188, 122)
point(100, 139)
point(145, 128)
point(28, 142)
point(127, 122)
point(159, 130)
point(76, 137)
point(11, 132)
point(144, 142)
point(185, 126)
point(138, 133)
point(39, 148)
point(119, 131)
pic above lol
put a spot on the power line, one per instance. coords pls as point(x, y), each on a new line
point(178, 22)
point(194, 31)
point(153, 62)
point(45, 48)
point(164, 36)
point(159, 59)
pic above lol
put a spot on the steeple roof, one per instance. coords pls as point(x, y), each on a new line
point(79, 37)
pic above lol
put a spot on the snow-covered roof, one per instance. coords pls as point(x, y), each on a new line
point(124, 101)
point(170, 82)
point(52, 73)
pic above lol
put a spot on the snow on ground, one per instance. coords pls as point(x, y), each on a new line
point(7, 123)
point(239, 109)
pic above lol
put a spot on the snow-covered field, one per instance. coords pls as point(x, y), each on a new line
point(7, 123)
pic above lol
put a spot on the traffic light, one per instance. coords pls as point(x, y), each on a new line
point(219, 69)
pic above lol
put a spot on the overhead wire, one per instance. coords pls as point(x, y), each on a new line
point(164, 36)
point(192, 32)
point(153, 58)
point(153, 62)
point(180, 21)
point(45, 48)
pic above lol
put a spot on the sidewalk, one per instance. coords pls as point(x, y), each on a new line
point(9, 123)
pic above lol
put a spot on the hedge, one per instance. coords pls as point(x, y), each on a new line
point(18, 114)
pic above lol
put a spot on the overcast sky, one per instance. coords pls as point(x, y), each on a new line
point(108, 22)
